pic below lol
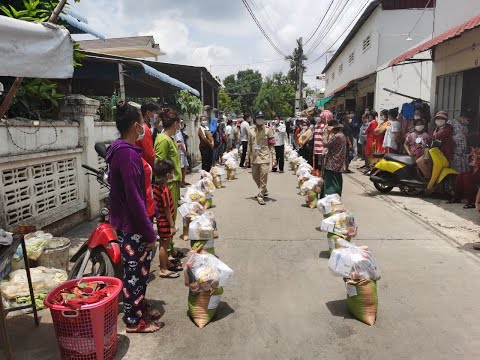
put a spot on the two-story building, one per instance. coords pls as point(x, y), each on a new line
point(358, 72)
point(455, 53)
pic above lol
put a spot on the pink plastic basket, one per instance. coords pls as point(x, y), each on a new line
point(91, 332)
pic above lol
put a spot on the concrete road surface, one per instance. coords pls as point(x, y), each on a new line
point(285, 304)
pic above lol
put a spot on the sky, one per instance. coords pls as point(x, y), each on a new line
point(221, 35)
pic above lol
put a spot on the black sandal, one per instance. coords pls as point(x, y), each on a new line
point(453, 201)
point(469, 206)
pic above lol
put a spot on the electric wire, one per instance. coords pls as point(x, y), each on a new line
point(420, 18)
point(319, 24)
point(266, 20)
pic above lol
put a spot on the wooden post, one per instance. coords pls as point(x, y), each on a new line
point(121, 80)
point(202, 96)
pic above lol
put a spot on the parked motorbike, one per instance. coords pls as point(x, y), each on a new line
point(100, 255)
point(401, 171)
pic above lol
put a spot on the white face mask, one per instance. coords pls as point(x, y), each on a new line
point(204, 123)
point(416, 117)
point(142, 134)
point(381, 120)
point(419, 127)
point(440, 123)
point(304, 127)
point(260, 122)
point(154, 118)
point(317, 120)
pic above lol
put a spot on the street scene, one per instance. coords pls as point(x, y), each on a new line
point(245, 180)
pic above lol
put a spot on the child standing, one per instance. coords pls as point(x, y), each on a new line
point(165, 213)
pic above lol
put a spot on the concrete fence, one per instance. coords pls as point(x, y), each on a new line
point(42, 182)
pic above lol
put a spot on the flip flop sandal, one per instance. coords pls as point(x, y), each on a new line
point(453, 201)
point(145, 327)
point(175, 268)
point(469, 206)
point(170, 275)
point(476, 245)
point(179, 255)
point(261, 201)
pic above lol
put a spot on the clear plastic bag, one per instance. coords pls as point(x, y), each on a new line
point(204, 272)
point(330, 204)
point(192, 194)
point(340, 223)
point(201, 228)
point(353, 262)
point(231, 164)
point(43, 280)
point(190, 209)
point(36, 243)
point(206, 186)
point(314, 183)
point(205, 174)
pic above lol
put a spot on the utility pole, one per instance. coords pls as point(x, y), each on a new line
point(299, 100)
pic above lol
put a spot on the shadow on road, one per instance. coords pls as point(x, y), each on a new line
point(267, 199)
point(325, 254)
point(223, 311)
point(339, 308)
point(123, 345)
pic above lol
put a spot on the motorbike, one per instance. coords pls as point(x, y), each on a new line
point(100, 254)
point(401, 171)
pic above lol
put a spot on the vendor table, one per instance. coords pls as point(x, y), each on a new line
point(6, 254)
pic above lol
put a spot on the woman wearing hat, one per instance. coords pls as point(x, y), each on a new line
point(444, 133)
point(336, 148)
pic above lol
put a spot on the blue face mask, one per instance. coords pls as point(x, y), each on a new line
point(155, 117)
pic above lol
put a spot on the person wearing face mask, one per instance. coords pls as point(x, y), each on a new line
point(415, 141)
point(206, 144)
point(260, 151)
point(370, 138)
point(319, 135)
point(149, 113)
point(347, 131)
point(379, 132)
point(128, 215)
point(244, 128)
point(444, 133)
point(467, 183)
point(280, 133)
point(305, 141)
point(166, 148)
point(460, 132)
point(182, 149)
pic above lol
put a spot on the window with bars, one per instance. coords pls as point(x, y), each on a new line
point(366, 43)
point(351, 58)
point(340, 69)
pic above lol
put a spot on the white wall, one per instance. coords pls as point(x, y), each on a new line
point(409, 79)
point(365, 62)
point(450, 13)
point(106, 132)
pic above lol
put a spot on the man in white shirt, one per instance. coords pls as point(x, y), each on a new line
point(280, 133)
point(244, 126)
point(229, 134)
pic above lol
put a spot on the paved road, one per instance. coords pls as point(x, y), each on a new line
point(285, 304)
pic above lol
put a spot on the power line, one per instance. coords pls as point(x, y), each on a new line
point(349, 25)
point(320, 23)
point(247, 6)
point(329, 27)
point(420, 18)
point(266, 20)
point(253, 63)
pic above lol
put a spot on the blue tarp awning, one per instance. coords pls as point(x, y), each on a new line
point(168, 79)
point(83, 26)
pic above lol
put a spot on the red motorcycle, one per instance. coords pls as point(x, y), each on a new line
point(100, 255)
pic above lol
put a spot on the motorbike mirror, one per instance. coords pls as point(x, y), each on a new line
point(101, 149)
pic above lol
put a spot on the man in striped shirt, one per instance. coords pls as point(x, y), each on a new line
point(321, 123)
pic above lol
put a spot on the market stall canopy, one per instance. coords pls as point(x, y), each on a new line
point(447, 35)
point(35, 50)
point(323, 101)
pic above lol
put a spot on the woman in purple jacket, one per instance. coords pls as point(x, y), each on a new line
point(128, 215)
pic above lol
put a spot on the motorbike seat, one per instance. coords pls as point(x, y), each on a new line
point(403, 159)
point(378, 155)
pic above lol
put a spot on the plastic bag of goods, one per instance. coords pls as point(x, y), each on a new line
point(330, 204)
point(211, 216)
point(337, 241)
point(305, 176)
point(228, 156)
point(292, 155)
point(312, 189)
point(205, 174)
point(188, 211)
point(192, 194)
point(36, 243)
point(217, 173)
point(201, 234)
point(43, 280)
point(207, 187)
point(354, 262)
point(341, 224)
point(305, 166)
point(231, 166)
point(205, 276)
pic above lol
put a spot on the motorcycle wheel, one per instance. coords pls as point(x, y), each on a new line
point(448, 185)
point(99, 264)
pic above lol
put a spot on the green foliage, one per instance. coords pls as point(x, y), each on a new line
point(276, 97)
point(35, 99)
point(225, 101)
point(295, 60)
point(243, 89)
point(29, 10)
point(188, 104)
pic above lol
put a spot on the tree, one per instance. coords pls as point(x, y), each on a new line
point(225, 101)
point(295, 59)
point(188, 104)
point(276, 97)
point(243, 88)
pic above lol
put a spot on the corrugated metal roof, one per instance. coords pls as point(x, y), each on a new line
point(340, 88)
point(407, 4)
point(115, 42)
point(447, 35)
